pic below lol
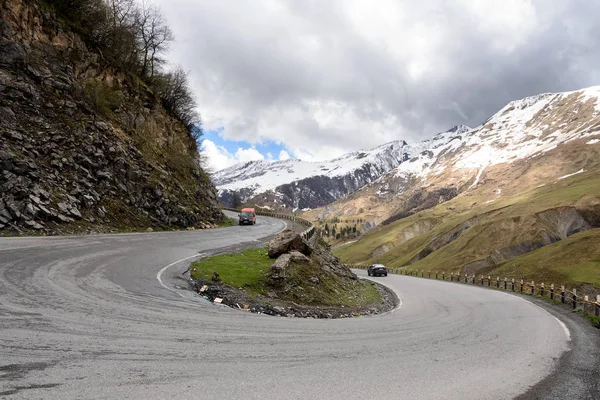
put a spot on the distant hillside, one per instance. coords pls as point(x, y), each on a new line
point(91, 139)
point(500, 198)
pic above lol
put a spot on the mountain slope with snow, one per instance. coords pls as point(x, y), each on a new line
point(522, 129)
point(309, 184)
point(496, 199)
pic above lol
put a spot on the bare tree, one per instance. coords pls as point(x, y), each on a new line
point(176, 96)
point(154, 36)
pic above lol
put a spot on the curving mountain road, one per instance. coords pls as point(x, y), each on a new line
point(86, 317)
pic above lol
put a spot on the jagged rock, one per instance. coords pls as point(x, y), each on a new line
point(75, 212)
point(36, 200)
point(103, 174)
point(34, 225)
point(14, 210)
point(63, 207)
point(5, 215)
point(44, 211)
point(64, 218)
point(296, 256)
point(16, 135)
point(101, 125)
point(45, 195)
point(12, 53)
point(286, 241)
point(277, 271)
point(30, 210)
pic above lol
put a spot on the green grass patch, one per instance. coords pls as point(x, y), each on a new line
point(246, 270)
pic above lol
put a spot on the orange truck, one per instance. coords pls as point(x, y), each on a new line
point(247, 216)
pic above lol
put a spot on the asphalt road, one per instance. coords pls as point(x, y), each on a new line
point(109, 317)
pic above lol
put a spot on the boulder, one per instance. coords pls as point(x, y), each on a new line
point(287, 241)
point(278, 268)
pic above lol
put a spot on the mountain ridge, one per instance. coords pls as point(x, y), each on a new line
point(501, 138)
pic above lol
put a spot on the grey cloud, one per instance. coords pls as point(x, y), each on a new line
point(248, 63)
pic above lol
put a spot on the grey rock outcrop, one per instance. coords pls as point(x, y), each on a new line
point(66, 156)
point(286, 241)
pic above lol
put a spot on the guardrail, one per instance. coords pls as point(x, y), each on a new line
point(557, 294)
point(306, 234)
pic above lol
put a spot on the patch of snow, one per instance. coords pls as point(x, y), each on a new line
point(574, 173)
point(593, 141)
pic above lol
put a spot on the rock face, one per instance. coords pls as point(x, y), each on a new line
point(83, 146)
point(287, 241)
point(280, 265)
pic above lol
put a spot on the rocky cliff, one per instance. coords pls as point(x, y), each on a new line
point(85, 147)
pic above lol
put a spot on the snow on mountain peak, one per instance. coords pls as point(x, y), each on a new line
point(521, 129)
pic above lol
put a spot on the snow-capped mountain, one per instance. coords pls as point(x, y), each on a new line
point(302, 184)
point(522, 129)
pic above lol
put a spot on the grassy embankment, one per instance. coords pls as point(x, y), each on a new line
point(249, 269)
point(414, 242)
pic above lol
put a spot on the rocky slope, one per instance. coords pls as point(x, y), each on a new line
point(84, 147)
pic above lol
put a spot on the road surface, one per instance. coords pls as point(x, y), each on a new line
point(109, 317)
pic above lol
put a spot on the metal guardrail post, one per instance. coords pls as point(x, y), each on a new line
point(532, 288)
point(542, 290)
point(562, 294)
point(521, 286)
point(574, 298)
point(552, 291)
point(513, 284)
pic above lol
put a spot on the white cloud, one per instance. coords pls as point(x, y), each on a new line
point(284, 155)
point(249, 154)
point(217, 157)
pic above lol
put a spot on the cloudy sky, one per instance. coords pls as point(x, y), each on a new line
point(312, 79)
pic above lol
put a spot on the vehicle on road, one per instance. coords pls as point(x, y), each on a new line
point(247, 216)
point(377, 270)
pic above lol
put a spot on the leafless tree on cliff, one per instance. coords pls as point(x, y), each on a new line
point(154, 36)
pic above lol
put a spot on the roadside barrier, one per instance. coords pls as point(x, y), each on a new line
point(306, 234)
point(556, 294)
